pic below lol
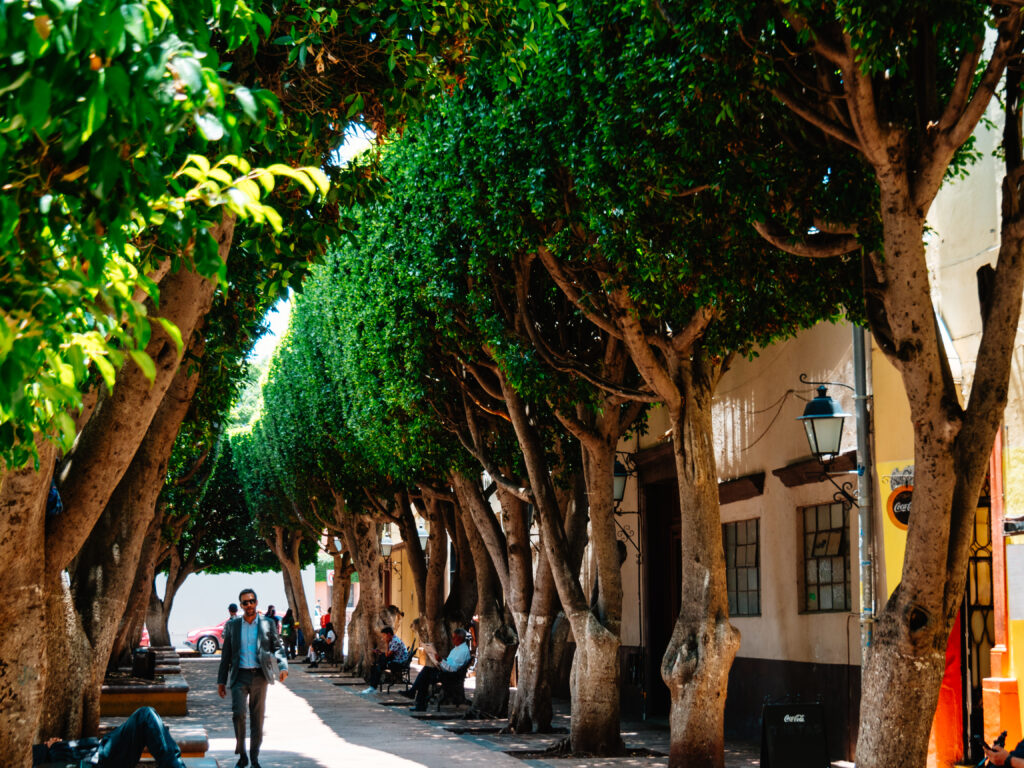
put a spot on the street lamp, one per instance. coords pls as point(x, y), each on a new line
point(823, 421)
point(620, 475)
point(422, 534)
point(386, 545)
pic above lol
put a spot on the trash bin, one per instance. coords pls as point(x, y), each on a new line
point(144, 664)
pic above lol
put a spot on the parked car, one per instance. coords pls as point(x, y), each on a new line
point(207, 640)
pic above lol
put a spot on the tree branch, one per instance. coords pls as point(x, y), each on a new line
point(808, 113)
point(822, 245)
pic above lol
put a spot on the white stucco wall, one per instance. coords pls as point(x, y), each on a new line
point(203, 599)
point(756, 430)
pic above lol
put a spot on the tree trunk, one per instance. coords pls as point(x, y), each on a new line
point(362, 540)
point(137, 607)
point(595, 727)
point(531, 711)
point(431, 625)
point(950, 456)
point(105, 447)
point(285, 546)
point(462, 594)
point(158, 614)
point(100, 584)
point(70, 660)
point(23, 664)
point(343, 570)
point(496, 638)
point(415, 555)
point(703, 644)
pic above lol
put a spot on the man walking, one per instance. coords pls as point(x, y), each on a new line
point(251, 658)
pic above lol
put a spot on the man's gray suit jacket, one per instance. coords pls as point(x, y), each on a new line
point(267, 639)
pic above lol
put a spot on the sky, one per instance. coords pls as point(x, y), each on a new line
point(277, 318)
point(356, 141)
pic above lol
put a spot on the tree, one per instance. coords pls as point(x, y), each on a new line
point(413, 357)
point(215, 536)
point(570, 170)
point(134, 213)
point(900, 90)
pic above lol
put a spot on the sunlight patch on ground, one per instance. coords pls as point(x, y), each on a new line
point(293, 727)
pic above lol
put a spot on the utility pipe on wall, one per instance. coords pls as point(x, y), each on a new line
point(865, 491)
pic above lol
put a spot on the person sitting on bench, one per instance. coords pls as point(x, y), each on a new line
point(323, 646)
point(121, 747)
point(997, 754)
point(457, 660)
point(394, 658)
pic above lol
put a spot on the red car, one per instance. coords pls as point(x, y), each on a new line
point(207, 640)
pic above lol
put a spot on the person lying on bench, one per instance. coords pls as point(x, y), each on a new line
point(120, 748)
point(393, 658)
point(457, 660)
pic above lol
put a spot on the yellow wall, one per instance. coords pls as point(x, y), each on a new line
point(403, 594)
point(893, 437)
point(1015, 611)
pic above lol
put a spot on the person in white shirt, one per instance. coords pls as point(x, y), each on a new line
point(455, 663)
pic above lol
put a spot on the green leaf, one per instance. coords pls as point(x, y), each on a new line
point(247, 102)
point(145, 363)
point(136, 22)
point(67, 427)
point(319, 178)
point(97, 113)
point(172, 330)
point(38, 107)
point(190, 72)
point(106, 369)
point(209, 126)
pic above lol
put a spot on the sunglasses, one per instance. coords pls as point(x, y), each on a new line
point(248, 602)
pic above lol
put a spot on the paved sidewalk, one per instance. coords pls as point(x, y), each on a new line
point(312, 722)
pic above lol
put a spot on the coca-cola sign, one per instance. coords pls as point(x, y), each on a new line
point(898, 505)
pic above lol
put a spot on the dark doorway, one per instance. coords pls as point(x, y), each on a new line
point(663, 578)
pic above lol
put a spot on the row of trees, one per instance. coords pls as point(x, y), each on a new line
point(664, 187)
point(566, 239)
point(147, 226)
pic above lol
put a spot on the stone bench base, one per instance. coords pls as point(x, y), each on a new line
point(167, 697)
point(192, 741)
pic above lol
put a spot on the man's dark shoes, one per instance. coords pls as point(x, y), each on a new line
point(417, 708)
point(243, 761)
